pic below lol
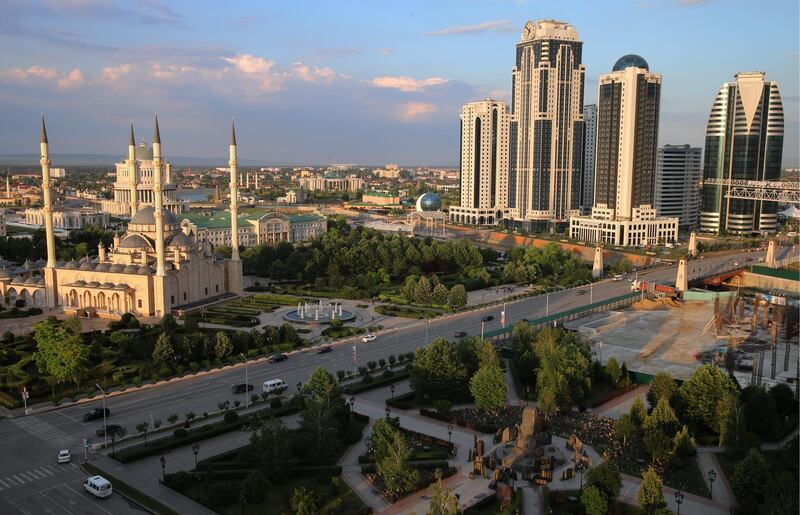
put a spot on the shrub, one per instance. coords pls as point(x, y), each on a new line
point(237, 403)
point(264, 395)
point(387, 374)
point(157, 423)
point(275, 403)
point(362, 370)
point(367, 380)
point(381, 362)
point(371, 365)
point(401, 358)
point(410, 356)
point(340, 374)
point(392, 360)
point(230, 416)
point(180, 433)
point(254, 398)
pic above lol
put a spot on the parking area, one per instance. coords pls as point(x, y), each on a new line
point(70, 498)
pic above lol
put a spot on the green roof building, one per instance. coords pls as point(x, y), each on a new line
point(255, 226)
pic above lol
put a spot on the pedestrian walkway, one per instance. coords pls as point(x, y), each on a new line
point(34, 474)
point(691, 505)
point(531, 500)
point(45, 432)
point(618, 406)
point(720, 490)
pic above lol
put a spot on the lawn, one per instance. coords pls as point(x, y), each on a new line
point(603, 392)
point(688, 479)
point(342, 332)
point(408, 311)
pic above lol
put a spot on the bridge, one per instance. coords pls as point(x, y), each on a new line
point(770, 191)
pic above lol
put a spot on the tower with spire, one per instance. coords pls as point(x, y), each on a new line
point(44, 148)
point(235, 270)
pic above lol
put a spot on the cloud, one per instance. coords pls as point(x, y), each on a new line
point(114, 73)
point(407, 84)
point(478, 28)
point(313, 73)
point(250, 64)
point(71, 80)
point(335, 53)
point(386, 51)
point(412, 111)
point(44, 75)
point(169, 71)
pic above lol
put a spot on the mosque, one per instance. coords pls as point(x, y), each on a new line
point(154, 268)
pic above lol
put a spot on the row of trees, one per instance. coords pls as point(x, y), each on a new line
point(423, 290)
point(549, 264)
point(78, 244)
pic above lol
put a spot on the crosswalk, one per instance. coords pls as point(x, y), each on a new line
point(29, 476)
point(44, 431)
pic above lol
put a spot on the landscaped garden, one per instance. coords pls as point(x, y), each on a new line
point(394, 310)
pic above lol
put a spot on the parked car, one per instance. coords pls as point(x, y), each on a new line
point(618, 277)
point(64, 456)
point(241, 388)
point(325, 349)
point(96, 414)
point(488, 318)
point(369, 337)
point(580, 292)
point(275, 358)
point(111, 428)
point(460, 334)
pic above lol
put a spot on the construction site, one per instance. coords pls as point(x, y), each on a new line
point(745, 321)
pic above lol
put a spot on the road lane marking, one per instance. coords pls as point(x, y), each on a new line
point(21, 481)
point(93, 500)
point(57, 504)
point(4, 484)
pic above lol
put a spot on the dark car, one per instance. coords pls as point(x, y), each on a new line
point(325, 349)
point(241, 388)
point(277, 357)
point(460, 334)
point(488, 318)
point(580, 292)
point(96, 414)
point(111, 428)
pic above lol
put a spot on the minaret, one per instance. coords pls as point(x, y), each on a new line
point(132, 171)
point(8, 186)
point(49, 270)
point(597, 266)
point(159, 204)
point(235, 276)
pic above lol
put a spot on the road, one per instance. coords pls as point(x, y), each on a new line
point(31, 442)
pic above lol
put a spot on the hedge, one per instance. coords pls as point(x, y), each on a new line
point(132, 493)
point(354, 388)
point(8, 401)
point(403, 402)
point(444, 466)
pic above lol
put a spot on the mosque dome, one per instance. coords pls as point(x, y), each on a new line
point(4, 273)
point(630, 61)
point(86, 266)
point(134, 241)
point(116, 268)
point(130, 269)
point(145, 270)
point(146, 216)
point(180, 240)
point(429, 202)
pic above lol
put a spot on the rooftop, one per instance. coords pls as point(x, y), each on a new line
point(222, 219)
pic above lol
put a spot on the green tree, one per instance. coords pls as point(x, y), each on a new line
point(409, 288)
point(663, 386)
point(626, 427)
point(383, 435)
point(606, 478)
point(254, 488)
point(781, 494)
point(437, 372)
point(304, 501)
point(423, 293)
point(223, 347)
point(683, 446)
point(612, 371)
point(731, 423)
point(564, 369)
point(650, 496)
point(322, 386)
point(268, 437)
point(783, 397)
point(398, 477)
point(60, 351)
point(750, 477)
point(317, 421)
point(759, 410)
point(440, 294)
point(488, 387)
point(164, 350)
point(442, 500)
point(703, 391)
point(593, 501)
point(458, 296)
point(659, 428)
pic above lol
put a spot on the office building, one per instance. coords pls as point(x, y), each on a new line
point(744, 141)
point(256, 226)
point(484, 163)
point(625, 163)
point(589, 145)
point(547, 125)
point(678, 174)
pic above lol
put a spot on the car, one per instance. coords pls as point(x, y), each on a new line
point(460, 334)
point(96, 414)
point(618, 277)
point(241, 388)
point(488, 318)
point(325, 349)
point(98, 486)
point(64, 456)
point(112, 429)
point(369, 337)
point(749, 259)
point(580, 292)
point(275, 358)
point(735, 263)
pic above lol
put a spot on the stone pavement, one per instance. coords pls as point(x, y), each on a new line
point(531, 500)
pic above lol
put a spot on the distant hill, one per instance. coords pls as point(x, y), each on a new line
point(109, 160)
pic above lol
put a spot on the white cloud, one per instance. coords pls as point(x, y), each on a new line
point(34, 72)
point(478, 28)
point(71, 80)
point(169, 71)
point(114, 73)
point(412, 111)
point(44, 75)
point(407, 84)
point(250, 64)
point(313, 73)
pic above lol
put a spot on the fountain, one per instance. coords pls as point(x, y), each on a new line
point(319, 313)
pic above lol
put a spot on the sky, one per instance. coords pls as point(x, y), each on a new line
point(350, 81)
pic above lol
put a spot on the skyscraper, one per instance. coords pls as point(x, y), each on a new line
point(744, 140)
point(678, 174)
point(547, 124)
point(484, 163)
point(589, 146)
point(625, 163)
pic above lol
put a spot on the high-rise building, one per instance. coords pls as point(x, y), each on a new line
point(484, 163)
point(547, 124)
point(744, 140)
point(589, 145)
point(678, 174)
point(625, 163)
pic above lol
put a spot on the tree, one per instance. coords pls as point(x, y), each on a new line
point(423, 292)
point(440, 294)
point(303, 501)
point(437, 372)
point(731, 422)
point(638, 412)
point(626, 427)
point(223, 346)
point(650, 496)
point(254, 488)
point(442, 500)
point(593, 501)
point(750, 476)
point(398, 477)
point(322, 386)
point(759, 410)
point(683, 446)
point(659, 427)
point(268, 437)
point(564, 366)
point(612, 371)
point(409, 288)
point(703, 391)
point(142, 429)
point(168, 323)
point(781, 495)
point(60, 351)
point(164, 350)
point(458, 296)
point(783, 397)
point(606, 479)
point(318, 422)
point(663, 386)
point(488, 387)
point(383, 434)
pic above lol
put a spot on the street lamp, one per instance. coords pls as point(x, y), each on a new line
point(449, 433)
point(388, 412)
point(105, 429)
point(392, 389)
point(427, 323)
point(580, 473)
point(352, 403)
point(712, 475)
point(679, 500)
point(163, 469)
point(195, 450)
point(246, 384)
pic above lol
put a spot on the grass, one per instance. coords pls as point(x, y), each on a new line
point(130, 492)
point(407, 311)
point(688, 479)
point(342, 332)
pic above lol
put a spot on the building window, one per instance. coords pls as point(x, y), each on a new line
point(205, 290)
point(139, 303)
point(184, 295)
point(172, 299)
point(216, 287)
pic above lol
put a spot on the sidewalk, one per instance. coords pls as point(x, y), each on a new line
point(721, 491)
point(692, 504)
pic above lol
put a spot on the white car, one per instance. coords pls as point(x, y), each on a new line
point(369, 337)
point(64, 456)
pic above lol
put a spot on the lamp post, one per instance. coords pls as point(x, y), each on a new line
point(352, 404)
point(388, 411)
point(195, 450)
point(105, 429)
point(712, 475)
point(163, 469)
point(246, 384)
point(392, 390)
point(580, 472)
point(427, 323)
point(449, 433)
point(482, 323)
point(368, 443)
point(679, 500)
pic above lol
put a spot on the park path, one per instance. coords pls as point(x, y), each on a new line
point(531, 500)
point(721, 490)
point(620, 405)
point(692, 504)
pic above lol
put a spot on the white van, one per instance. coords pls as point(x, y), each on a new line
point(274, 385)
point(98, 486)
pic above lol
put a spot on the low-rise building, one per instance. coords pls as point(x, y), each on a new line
point(68, 218)
point(380, 198)
point(255, 227)
point(332, 182)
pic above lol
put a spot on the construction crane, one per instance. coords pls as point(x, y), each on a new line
point(770, 191)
